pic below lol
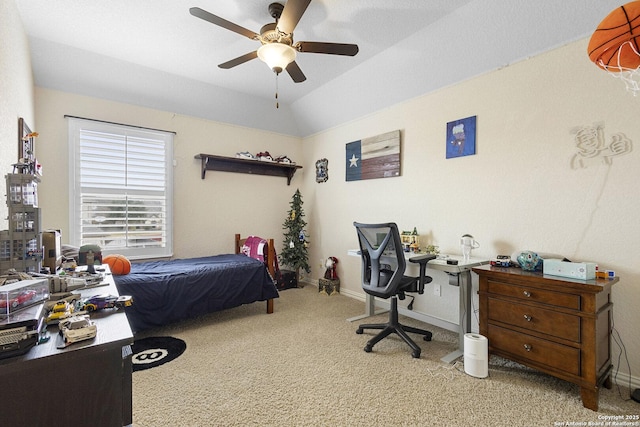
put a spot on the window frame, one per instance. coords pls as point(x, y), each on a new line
point(76, 127)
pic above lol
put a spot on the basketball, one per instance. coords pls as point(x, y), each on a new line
point(614, 46)
point(119, 264)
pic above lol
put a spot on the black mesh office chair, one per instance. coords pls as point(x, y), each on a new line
point(383, 266)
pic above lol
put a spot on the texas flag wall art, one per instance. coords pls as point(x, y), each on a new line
point(375, 157)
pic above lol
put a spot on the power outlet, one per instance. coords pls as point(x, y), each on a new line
point(436, 289)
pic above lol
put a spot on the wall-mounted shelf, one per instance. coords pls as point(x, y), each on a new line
point(257, 167)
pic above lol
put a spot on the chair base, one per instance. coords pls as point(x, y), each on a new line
point(394, 326)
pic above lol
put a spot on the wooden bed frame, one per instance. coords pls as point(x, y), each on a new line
point(269, 259)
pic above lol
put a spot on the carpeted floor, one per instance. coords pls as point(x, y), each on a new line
point(304, 365)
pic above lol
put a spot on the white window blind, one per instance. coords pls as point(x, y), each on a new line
point(121, 188)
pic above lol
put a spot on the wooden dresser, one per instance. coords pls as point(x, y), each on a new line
point(557, 325)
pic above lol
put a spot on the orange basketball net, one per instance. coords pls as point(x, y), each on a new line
point(615, 45)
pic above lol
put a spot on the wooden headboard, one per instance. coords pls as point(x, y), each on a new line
point(269, 253)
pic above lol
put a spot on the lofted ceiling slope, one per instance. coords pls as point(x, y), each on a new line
point(155, 54)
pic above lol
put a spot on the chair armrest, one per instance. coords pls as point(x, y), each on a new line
point(423, 260)
point(420, 259)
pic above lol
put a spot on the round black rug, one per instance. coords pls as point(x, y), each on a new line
point(155, 351)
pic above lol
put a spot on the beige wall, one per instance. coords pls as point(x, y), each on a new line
point(207, 213)
point(518, 192)
point(16, 90)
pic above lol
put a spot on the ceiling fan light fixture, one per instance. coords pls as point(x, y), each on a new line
point(277, 55)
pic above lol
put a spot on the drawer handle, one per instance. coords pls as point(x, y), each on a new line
point(528, 347)
point(527, 318)
point(527, 294)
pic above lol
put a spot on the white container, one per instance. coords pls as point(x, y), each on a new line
point(476, 355)
point(573, 270)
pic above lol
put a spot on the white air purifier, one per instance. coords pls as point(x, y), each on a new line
point(476, 355)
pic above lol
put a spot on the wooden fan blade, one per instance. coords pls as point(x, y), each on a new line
point(328, 48)
point(210, 17)
point(293, 11)
point(295, 72)
point(239, 60)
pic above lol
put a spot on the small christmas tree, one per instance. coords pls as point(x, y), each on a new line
point(294, 253)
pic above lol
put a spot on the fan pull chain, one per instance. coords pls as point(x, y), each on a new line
point(277, 103)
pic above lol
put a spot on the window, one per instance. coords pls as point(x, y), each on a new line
point(121, 188)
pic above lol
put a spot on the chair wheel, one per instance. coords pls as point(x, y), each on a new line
point(415, 354)
point(427, 338)
point(368, 348)
point(359, 331)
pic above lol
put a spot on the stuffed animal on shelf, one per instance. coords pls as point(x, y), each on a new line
point(331, 263)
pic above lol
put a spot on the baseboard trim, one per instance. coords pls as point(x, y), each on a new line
point(625, 380)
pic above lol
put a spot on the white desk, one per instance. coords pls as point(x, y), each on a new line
point(463, 273)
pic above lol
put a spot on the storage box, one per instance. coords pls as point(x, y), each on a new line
point(22, 294)
point(329, 286)
point(286, 279)
point(574, 270)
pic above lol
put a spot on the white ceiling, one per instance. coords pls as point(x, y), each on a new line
point(155, 54)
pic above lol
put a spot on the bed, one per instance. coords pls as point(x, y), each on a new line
point(169, 291)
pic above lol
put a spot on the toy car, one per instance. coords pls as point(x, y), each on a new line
point(501, 261)
point(100, 302)
point(60, 310)
point(77, 328)
point(71, 297)
point(124, 301)
point(23, 297)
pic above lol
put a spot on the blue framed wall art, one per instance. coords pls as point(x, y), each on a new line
point(461, 137)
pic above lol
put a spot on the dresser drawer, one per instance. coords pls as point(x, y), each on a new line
point(549, 322)
point(525, 347)
point(542, 296)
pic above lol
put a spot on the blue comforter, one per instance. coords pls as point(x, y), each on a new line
point(169, 291)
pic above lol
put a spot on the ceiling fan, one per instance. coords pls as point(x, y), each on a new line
point(278, 49)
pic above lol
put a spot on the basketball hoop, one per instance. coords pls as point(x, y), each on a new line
point(615, 45)
point(630, 76)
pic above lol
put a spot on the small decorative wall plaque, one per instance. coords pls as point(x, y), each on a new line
point(322, 170)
